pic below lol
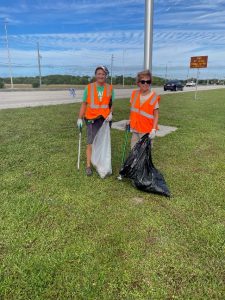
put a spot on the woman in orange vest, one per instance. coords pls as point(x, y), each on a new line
point(95, 109)
point(144, 109)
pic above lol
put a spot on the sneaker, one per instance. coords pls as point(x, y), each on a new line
point(89, 171)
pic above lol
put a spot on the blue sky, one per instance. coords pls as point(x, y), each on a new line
point(75, 36)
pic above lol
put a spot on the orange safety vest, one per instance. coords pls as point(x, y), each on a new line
point(142, 116)
point(95, 107)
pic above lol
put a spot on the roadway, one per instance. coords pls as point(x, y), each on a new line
point(16, 98)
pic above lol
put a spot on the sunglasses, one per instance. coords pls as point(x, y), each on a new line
point(145, 81)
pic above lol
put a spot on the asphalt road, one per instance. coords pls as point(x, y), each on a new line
point(29, 98)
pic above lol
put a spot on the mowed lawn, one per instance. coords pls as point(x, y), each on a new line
point(66, 236)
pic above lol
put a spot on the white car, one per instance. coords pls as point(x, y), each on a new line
point(191, 83)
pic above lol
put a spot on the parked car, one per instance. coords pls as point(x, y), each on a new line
point(173, 85)
point(191, 83)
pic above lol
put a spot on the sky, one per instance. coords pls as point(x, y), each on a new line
point(76, 36)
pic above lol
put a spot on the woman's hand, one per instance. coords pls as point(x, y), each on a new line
point(152, 134)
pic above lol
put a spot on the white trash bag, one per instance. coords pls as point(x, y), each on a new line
point(101, 151)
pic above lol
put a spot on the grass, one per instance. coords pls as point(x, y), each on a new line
point(66, 236)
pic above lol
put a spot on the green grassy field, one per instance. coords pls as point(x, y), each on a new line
point(66, 236)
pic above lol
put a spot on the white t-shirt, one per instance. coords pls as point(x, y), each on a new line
point(145, 97)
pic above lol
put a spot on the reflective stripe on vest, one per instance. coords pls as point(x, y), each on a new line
point(135, 97)
point(141, 112)
point(153, 100)
point(92, 104)
point(134, 109)
point(149, 116)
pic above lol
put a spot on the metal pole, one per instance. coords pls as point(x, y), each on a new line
point(111, 68)
point(166, 73)
point(149, 11)
point(123, 66)
point(79, 148)
point(196, 87)
point(9, 58)
point(39, 63)
point(188, 73)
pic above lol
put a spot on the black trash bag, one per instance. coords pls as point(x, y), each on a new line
point(140, 169)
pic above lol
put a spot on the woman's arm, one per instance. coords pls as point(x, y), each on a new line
point(156, 118)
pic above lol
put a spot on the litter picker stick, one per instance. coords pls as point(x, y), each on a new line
point(127, 129)
point(79, 147)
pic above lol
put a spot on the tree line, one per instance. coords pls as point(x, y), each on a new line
point(72, 80)
point(84, 80)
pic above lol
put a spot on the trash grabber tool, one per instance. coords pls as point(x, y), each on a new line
point(127, 130)
point(79, 147)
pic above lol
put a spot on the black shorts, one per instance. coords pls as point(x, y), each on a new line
point(93, 127)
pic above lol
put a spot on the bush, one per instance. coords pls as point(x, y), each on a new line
point(36, 84)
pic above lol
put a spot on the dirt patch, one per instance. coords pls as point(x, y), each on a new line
point(137, 200)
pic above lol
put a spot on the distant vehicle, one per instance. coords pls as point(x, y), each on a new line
point(220, 82)
point(173, 85)
point(191, 83)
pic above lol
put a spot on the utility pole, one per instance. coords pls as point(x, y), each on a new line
point(149, 11)
point(39, 64)
point(188, 73)
point(9, 58)
point(123, 66)
point(168, 67)
point(166, 73)
point(112, 67)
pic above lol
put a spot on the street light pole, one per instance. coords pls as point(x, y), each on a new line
point(188, 73)
point(123, 66)
point(149, 11)
point(112, 57)
point(9, 59)
point(39, 64)
point(166, 73)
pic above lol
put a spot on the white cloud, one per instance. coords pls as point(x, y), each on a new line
point(94, 30)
